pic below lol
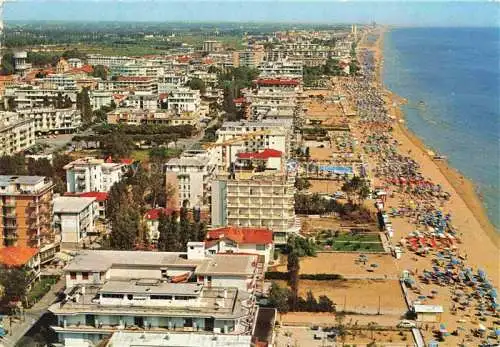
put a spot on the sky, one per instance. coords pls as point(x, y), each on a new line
point(401, 13)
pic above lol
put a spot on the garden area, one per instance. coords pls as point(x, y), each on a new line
point(329, 240)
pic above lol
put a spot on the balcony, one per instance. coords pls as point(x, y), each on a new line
point(9, 215)
point(10, 226)
point(9, 203)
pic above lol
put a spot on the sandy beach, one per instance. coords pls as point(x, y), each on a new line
point(479, 239)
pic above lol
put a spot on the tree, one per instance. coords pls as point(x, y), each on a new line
point(15, 283)
point(8, 63)
point(100, 71)
point(172, 237)
point(124, 229)
point(184, 227)
point(83, 104)
point(117, 145)
point(302, 183)
point(197, 84)
point(325, 304)
point(40, 167)
point(311, 303)
point(163, 227)
point(278, 298)
point(12, 165)
point(293, 267)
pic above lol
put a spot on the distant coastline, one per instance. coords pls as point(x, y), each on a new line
point(464, 185)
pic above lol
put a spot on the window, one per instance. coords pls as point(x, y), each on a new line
point(260, 247)
point(182, 297)
point(85, 275)
point(72, 275)
point(161, 297)
point(114, 296)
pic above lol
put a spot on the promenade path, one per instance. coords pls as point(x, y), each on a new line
point(31, 316)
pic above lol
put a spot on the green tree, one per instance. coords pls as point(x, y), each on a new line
point(83, 104)
point(125, 229)
point(293, 267)
point(15, 283)
point(100, 71)
point(302, 183)
point(197, 84)
point(40, 167)
point(172, 237)
point(117, 145)
point(278, 298)
point(184, 227)
point(163, 227)
point(8, 63)
point(12, 165)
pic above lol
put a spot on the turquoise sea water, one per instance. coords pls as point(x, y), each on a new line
point(451, 78)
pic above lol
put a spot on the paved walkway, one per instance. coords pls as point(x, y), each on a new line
point(31, 316)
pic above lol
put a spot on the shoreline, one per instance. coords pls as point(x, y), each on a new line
point(462, 185)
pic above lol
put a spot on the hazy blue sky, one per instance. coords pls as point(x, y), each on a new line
point(414, 13)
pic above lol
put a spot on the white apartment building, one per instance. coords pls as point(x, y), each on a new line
point(57, 81)
point(49, 119)
point(183, 100)
point(249, 136)
point(92, 175)
point(249, 199)
point(281, 68)
point(130, 83)
point(100, 98)
point(33, 96)
point(190, 175)
point(142, 69)
point(110, 61)
point(17, 133)
point(177, 294)
point(74, 218)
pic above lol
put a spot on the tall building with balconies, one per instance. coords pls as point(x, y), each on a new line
point(190, 176)
point(26, 212)
point(256, 199)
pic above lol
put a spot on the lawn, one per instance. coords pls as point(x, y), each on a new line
point(349, 242)
point(40, 288)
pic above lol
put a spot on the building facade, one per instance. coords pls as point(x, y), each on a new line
point(26, 207)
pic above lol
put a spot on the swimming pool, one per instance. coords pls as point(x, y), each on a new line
point(339, 170)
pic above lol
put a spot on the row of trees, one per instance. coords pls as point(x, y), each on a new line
point(232, 81)
point(19, 165)
point(281, 299)
point(176, 232)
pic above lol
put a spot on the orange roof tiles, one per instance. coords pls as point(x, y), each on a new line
point(16, 256)
point(242, 235)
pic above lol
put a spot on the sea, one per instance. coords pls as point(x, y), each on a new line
point(451, 79)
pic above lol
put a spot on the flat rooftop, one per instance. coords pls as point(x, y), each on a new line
point(100, 260)
point(223, 264)
point(152, 287)
point(71, 204)
point(211, 302)
point(6, 180)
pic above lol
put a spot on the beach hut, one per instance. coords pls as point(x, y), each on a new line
point(428, 313)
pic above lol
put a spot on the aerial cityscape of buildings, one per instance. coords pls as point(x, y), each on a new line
point(179, 198)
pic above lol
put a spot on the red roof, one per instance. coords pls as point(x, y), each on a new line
point(16, 256)
point(265, 154)
point(242, 235)
point(239, 100)
point(99, 196)
point(277, 82)
point(154, 213)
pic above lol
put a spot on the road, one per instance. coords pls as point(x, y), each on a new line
point(31, 316)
